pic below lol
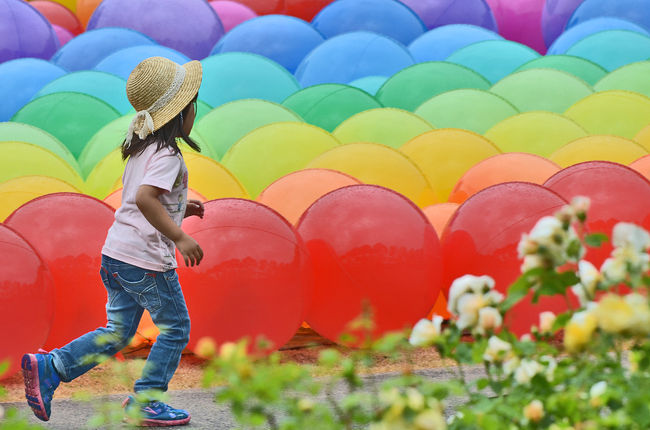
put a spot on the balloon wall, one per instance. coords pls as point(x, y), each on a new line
point(303, 98)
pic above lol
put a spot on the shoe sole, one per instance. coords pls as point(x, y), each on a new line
point(29, 364)
point(157, 423)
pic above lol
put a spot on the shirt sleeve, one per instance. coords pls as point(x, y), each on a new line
point(162, 170)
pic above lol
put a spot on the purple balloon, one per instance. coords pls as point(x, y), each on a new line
point(555, 16)
point(520, 21)
point(24, 32)
point(191, 27)
point(232, 13)
point(436, 13)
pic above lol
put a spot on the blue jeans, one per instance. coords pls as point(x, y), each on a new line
point(130, 291)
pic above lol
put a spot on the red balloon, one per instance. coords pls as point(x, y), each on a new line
point(482, 236)
point(370, 245)
point(304, 9)
point(617, 192)
point(68, 231)
point(255, 277)
point(59, 15)
point(264, 7)
point(26, 299)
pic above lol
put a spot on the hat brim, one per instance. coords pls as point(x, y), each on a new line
point(189, 88)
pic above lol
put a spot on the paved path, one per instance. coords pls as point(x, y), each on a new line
point(206, 414)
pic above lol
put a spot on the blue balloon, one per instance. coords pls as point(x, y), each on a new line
point(612, 49)
point(351, 56)
point(122, 62)
point(21, 79)
point(369, 84)
point(89, 48)
point(238, 75)
point(573, 35)
point(437, 13)
point(635, 11)
point(388, 17)
point(494, 59)
point(441, 42)
point(284, 39)
point(104, 86)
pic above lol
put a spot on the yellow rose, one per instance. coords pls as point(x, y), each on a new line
point(579, 330)
point(614, 314)
point(205, 348)
point(534, 411)
point(430, 420)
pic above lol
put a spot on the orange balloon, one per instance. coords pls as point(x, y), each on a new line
point(439, 214)
point(642, 165)
point(643, 137)
point(292, 194)
point(85, 9)
point(146, 333)
point(440, 307)
point(114, 199)
point(508, 167)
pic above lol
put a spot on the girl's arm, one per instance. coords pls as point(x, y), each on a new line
point(147, 201)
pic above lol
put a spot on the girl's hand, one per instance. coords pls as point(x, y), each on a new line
point(194, 207)
point(189, 249)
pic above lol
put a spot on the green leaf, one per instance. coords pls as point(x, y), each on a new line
point(561, 320)
point(516, 291)
point(482, 383)
point(596, 239)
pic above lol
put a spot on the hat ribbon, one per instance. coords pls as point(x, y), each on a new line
point(142, 123)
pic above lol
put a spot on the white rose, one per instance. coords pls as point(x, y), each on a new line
point(468, 309)
point(497, 350)
point(414, 399)
point(527, 370)
point(581, 294)
point(614, 269)
point(534, 411)
point(532, 261)
point(510, 365)
point(526, 337)
point(493, 297)
point(430, 420)
point(489, 319)
point(589, 276)
point(628, 234)
point(526, 246)
point(551, 365)
point(640, 322)
point(466, 284)
point(546, 320)
point(425, 331)
point(598, 389)
point(580, 204)
point(546, 229)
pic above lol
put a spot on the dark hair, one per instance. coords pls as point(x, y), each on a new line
point(164, 137)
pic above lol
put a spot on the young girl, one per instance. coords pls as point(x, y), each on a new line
point(138, 257)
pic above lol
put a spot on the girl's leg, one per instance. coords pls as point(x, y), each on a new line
point(123, 315)
point(173, 320)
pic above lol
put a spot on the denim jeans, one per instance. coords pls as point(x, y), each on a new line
point(130, 291)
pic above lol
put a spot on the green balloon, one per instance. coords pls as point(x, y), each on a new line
point(467, 109)
point(328, 105)
point(586, 70)
point(633, 77)
point(73, 118)
point(542, 89)
point(203, 109)
point(409, 88)
point(387, 126)
point(228, 123)
point(110, 137)
point(18, 132)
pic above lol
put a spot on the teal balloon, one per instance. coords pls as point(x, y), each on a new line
point(328, 105)
point(105, 86)
point(633, 77)
point(466, 109)
point(73, 118)
point(414, 85)
point(494, 59)
point(542, 89)
point(586, 70)
point(202, 109)
point(237, 75)
point(226, 124)
point(19, 132)
point(613, 48)
point(369, 84)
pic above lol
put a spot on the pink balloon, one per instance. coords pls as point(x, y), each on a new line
point(520, 21)
point(64, 35)
point(232, 13)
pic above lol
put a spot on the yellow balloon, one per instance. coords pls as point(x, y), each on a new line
point(100, 181)
point(212, 179)
point(540, 133)
point(620, 113)
point(18, 191)
point(445, 155)
point(377, 164)
point(272, 151)
point(643, 137)
point(70, 4)
point(597, 147)
point(22, 159)
point(388, 126)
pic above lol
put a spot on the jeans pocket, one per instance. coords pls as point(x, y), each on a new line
point(143, 289)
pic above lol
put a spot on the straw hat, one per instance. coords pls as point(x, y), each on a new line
point(159, 89)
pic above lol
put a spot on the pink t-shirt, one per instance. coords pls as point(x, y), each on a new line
point(131, 238)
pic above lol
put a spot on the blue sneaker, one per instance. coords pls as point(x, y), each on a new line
point(41, 380)
point(154, 414)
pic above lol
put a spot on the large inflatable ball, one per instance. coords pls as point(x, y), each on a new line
point(24, 32)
